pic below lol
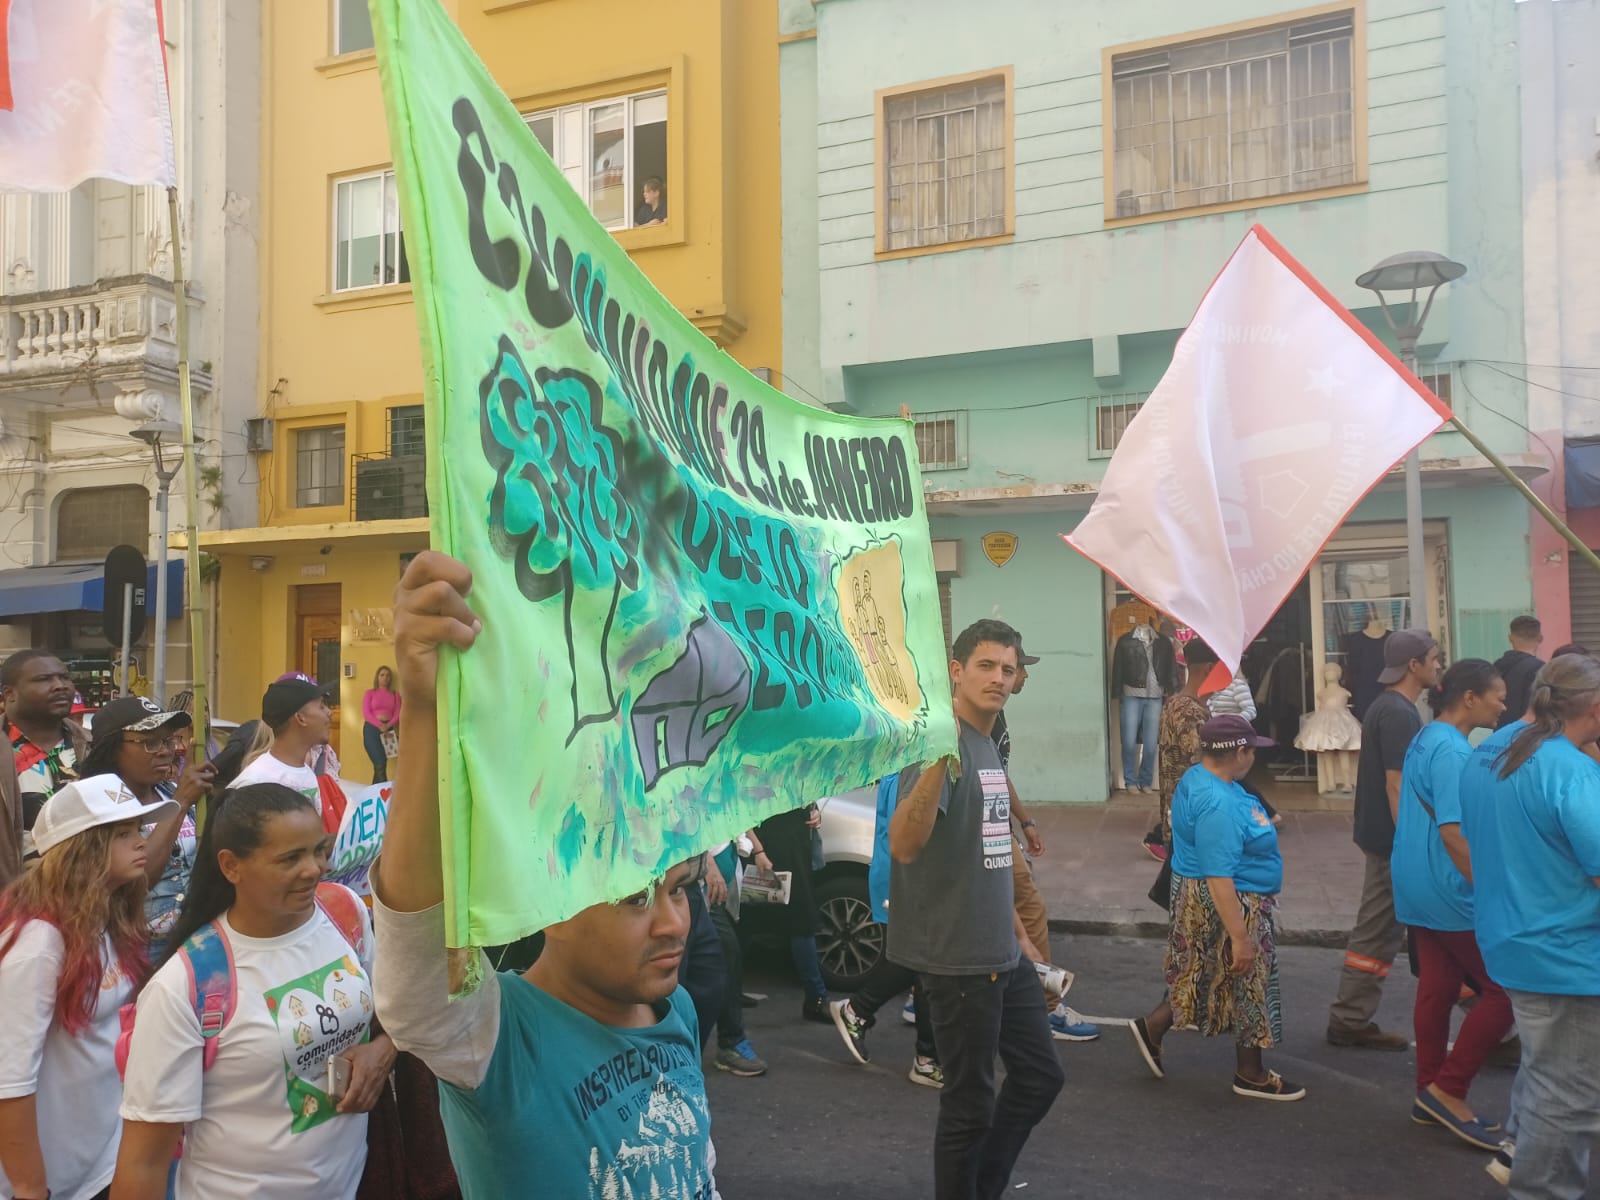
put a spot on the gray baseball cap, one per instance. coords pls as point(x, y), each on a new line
point(1403, 647)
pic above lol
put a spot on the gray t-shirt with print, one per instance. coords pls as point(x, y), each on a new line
point(950, 910)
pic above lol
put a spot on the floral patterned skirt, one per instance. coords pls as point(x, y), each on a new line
point(1205, 993)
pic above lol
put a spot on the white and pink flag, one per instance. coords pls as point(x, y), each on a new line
point(1279, 412)
point(83, 94)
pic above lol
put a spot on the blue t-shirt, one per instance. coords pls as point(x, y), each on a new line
point(571, 1107)
point(1428, 890)
point(1535, 841)
point(1218, 830)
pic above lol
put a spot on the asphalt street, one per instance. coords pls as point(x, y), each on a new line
point(820, 1125)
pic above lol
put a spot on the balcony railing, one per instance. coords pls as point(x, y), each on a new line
point(388, 487)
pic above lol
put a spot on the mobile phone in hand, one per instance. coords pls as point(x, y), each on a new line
point(338, 1077)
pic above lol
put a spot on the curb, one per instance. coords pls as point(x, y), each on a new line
point(1333, 939)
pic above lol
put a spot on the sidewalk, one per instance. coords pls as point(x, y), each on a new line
point(1095, 874)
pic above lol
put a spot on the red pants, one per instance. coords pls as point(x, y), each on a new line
point(1444, 962)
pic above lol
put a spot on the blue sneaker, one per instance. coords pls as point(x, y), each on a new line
point(1067, 1026)
point(908, 1014)
point(741, 1060)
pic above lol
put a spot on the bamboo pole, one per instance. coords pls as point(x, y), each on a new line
point(1529, 495)
point(193, 585)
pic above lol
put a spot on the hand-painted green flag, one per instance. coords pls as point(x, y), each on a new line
point(703, 602)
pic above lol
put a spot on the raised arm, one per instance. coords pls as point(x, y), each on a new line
point(430, 610)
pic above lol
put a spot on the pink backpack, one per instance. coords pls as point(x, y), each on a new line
point(213, 984)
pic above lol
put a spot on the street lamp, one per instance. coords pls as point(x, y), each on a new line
point(1414, 271)
point(151, 434)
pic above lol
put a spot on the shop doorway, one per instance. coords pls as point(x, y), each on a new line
point(319, 642)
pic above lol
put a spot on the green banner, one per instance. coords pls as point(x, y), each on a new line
point(703, 602)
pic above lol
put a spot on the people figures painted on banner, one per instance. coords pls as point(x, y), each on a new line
point(525, 1061)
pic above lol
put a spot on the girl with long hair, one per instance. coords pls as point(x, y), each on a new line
point(1530, 810)
point(140, 744)
point(380, 712)
point(72, 949)
point(1431, 866)
point(281, 1110)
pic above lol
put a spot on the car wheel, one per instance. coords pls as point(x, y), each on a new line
point(850, 942)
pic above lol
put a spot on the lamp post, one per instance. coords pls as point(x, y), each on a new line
point(1414, 271)
point(151, 433)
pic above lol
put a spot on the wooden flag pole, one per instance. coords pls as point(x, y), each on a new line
point(1528, 494)
point(193, 585)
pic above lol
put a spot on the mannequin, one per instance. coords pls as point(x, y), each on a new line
point(1363, 661)
point(1333, 735)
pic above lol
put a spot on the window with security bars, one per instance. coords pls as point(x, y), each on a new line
point(90, 521)
point(1437, 379)
point(941, 440)
point(405, 431)
point(945, 164)
point(319, 466)
point(1261, 113)
point(1110, 417)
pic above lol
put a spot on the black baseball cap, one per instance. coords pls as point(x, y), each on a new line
point(135, 714)
point(286, 696)
point(1229, 732)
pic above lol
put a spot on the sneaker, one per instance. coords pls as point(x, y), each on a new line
point(926, 1072)
point(1148, 1049)
point(908, 1014)
point(816, 1009)
point(1470, 1130)
point(852, 1029)
point(1368, 1037)
point(1499, 1167)
point(1273, 1087)
point(741, 1060)
point(1067, 1026)
point(1155, 850)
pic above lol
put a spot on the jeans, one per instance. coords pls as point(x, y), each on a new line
point(885, 982)
point(730, 1017)
point(1370, 952)
point(1446, 960)
point(803, 950)
point(372, 741)
point(1558, 1109)
point(979, 1136)
point(1141, 729)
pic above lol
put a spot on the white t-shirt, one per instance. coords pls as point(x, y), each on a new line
point(73, 1079)
point(268, 769)
point(262, 1121)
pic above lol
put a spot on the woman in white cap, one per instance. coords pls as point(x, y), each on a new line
point(72, 949)
point(1222, 960)
point(138, 743)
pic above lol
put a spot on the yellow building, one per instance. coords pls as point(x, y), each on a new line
point(621, 92)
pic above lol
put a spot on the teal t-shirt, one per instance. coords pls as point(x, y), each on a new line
point(1535, 840)
point(1218, 830)
point(573, 1108)
point(1428, 890)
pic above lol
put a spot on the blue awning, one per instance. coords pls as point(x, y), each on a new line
point(79, 587)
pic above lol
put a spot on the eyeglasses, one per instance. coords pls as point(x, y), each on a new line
point(155, 745)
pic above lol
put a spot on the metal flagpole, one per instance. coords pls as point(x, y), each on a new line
point(193, 585)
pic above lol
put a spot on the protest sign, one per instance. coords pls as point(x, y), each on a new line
point(360, 836)
point(703, 602)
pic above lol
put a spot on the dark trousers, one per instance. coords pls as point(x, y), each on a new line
point(372, 742)
point(730, 1017)
point(885, 982)
point(975, 1018)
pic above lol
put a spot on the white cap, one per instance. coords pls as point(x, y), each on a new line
point(87, 803)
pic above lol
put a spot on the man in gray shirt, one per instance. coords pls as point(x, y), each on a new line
point(950, 890)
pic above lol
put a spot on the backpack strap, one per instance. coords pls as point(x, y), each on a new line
point(345, 909)
point(213, 985)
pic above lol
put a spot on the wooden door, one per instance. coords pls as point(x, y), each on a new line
point(318, 643)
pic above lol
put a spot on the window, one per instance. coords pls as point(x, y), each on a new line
point(1259, 113)
point(352, 26)
point(89, 521)
point(405, 431)
point(946, 154)
point(941, 440)
point(319, 466)
point(1438, 380)
point(369, 250)
point(609, 150)
point(1110, 417)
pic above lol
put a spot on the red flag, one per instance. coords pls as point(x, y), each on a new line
point(87, 90)
point(1279, 412)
